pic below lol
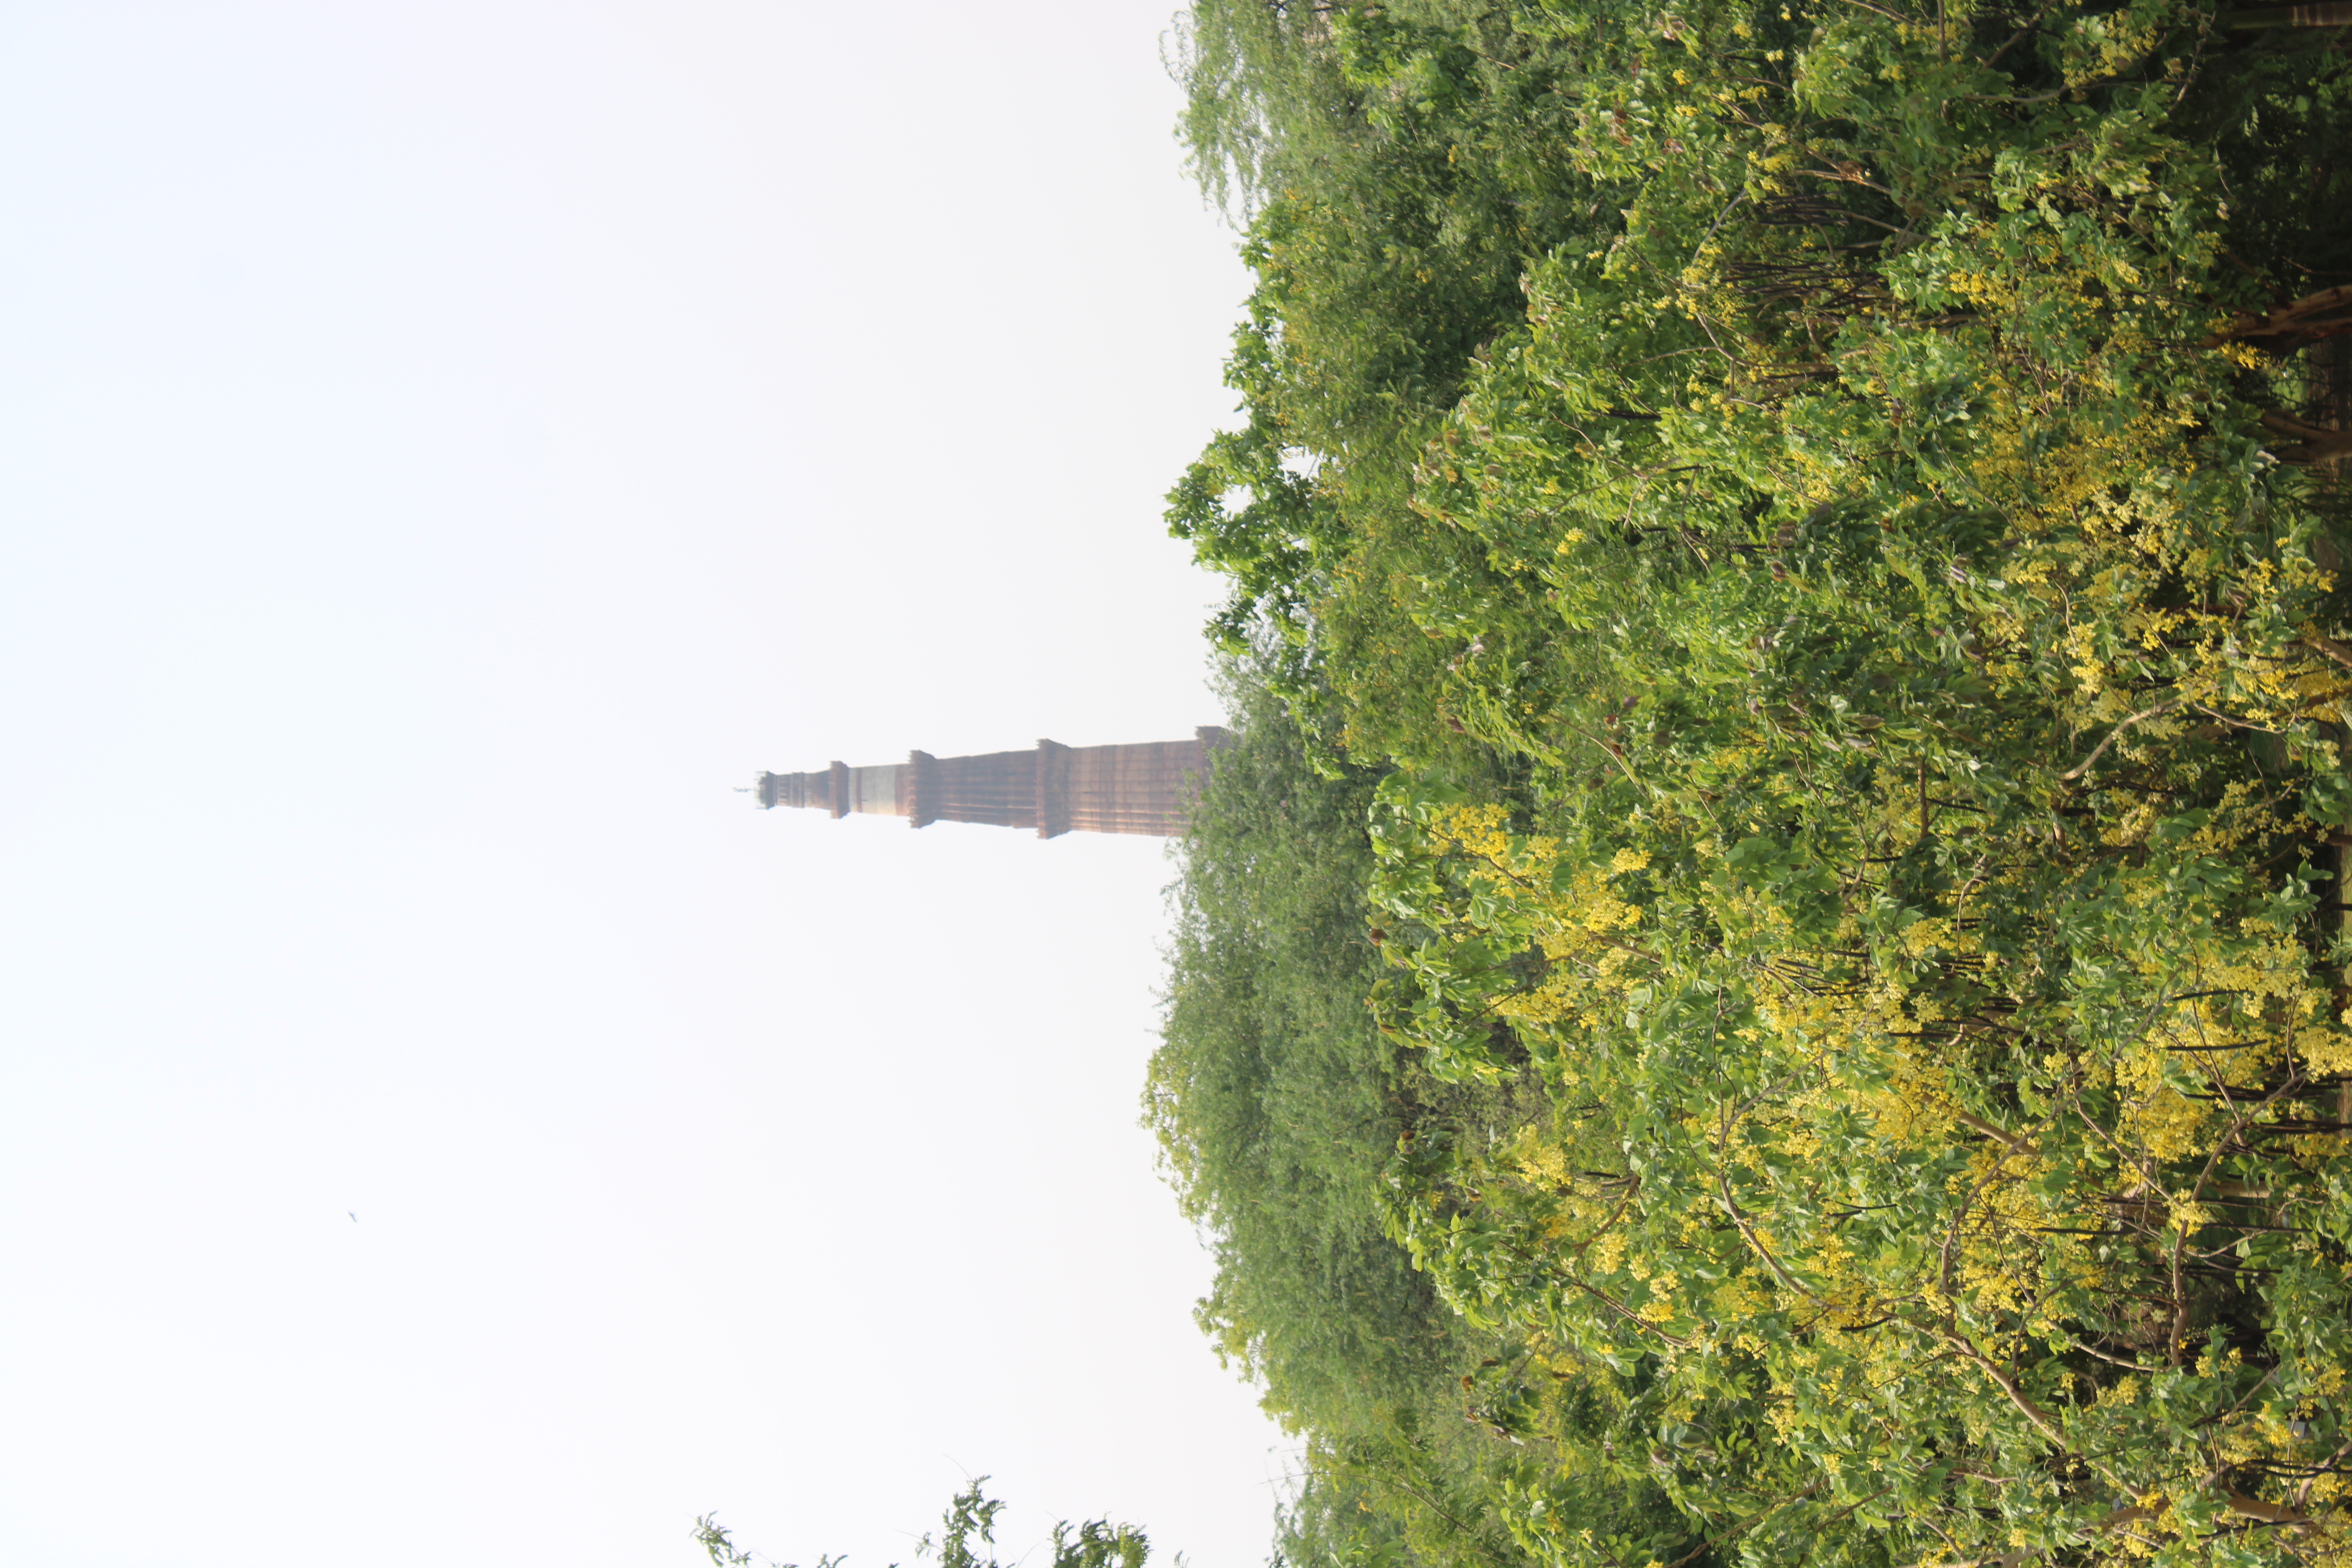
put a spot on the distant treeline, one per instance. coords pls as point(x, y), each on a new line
point(1764, 979)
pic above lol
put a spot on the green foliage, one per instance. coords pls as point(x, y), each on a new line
point(1279, 1106)
point(712, 1537)
point(1251, 516)
point(971, 1520)
point(1275, 1100)
point(1399, 171)
point(967, 1534)
point(1932, 1157)
point(1828, 510)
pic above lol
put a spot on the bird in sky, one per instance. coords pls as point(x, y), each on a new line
point(355, 1219)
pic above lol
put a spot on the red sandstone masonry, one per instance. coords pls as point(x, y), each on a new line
point(1144, 788)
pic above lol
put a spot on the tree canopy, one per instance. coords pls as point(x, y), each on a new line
point(1774, 939)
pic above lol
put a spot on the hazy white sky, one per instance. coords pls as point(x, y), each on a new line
point(445, 446)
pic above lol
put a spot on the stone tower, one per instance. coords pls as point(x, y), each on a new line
point(1055, 789)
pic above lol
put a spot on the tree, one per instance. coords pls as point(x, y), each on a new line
point(1853, 642)
point(967, 1534)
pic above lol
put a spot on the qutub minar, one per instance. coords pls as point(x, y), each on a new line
point(1055, 789)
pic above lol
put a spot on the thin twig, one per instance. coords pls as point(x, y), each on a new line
point(2079, 769)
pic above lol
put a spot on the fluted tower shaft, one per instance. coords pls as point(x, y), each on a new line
point(1144, 788)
